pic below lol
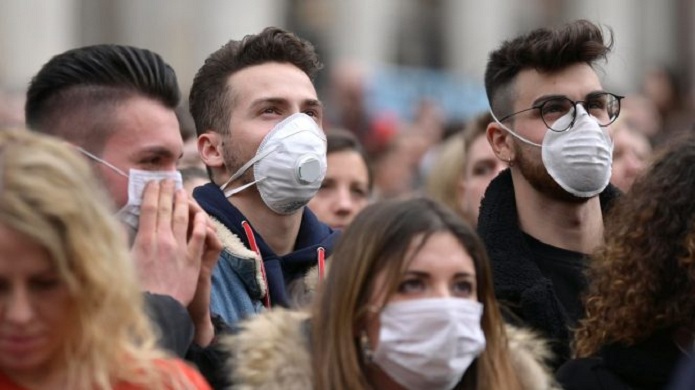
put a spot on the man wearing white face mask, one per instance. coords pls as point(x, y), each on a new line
point(258, 120)
point(116, 105)
point(540, 217)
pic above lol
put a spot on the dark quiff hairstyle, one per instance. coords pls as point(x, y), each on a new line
point(545, 50)
point(642, 279)
point(95, 78)
point(210, 97)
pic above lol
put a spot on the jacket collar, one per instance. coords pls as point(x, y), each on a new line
point(517, 278)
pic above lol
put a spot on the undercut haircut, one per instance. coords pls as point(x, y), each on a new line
point(211, 99)
point(545, 50)
point(75, 93)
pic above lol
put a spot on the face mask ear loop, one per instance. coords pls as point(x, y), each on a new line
point(99, 160)
point(243, 169)
point(512, 132)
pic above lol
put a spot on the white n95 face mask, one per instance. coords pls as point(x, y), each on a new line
point(429, 343)
point(289, 165)
point(578, 159)
point(137, 180)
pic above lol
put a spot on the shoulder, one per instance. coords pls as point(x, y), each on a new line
point(173, 370)
point(588, 374)
point(271, 351)
point(192, 378)
point(528, 355)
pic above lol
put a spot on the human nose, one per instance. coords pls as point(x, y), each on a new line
point(343, 203)
point(18, 306)
point(633, 164)
point(442, 290)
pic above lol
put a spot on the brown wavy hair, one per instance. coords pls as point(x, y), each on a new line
point(643, 278)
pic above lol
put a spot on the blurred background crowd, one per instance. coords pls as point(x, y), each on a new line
point(404, 76)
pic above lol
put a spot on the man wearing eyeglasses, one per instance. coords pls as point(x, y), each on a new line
point(542, 216)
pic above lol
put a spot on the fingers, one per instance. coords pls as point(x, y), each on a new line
point(166, 202)
point(196, 243)
point(181, 215)
point(148, 209)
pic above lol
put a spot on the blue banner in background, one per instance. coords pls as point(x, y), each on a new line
point(398, 90)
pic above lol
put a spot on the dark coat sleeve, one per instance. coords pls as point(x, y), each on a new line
point(174, 326)
point(213, 361)
point(589, 374)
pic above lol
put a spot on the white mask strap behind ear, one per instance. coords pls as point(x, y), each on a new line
point(100, 160)
point(512, 132)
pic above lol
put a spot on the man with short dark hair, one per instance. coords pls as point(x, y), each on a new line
point(116, 105)
point(541, 217)
point(258, 120)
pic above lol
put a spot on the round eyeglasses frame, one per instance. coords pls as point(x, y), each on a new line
point(542, 105)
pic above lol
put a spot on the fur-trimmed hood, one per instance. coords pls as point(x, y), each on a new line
point(271, 352)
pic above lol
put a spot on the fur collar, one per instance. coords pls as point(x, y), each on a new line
point(271, 352)
point(233, 245)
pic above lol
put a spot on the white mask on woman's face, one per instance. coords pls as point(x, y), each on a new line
point(429, 343)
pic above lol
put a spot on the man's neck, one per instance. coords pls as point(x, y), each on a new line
point(278, 231)
point(573, 226)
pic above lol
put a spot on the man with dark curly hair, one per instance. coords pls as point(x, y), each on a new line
point(540, 217)
point(258, 120)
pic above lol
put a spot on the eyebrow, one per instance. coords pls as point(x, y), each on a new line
point(544, 98)
point(158, 151)
point(425, 274)
point(284, 102)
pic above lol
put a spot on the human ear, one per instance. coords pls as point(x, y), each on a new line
point(210, 149)
point(500, 141)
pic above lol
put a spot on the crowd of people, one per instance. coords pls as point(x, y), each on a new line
point(262, 239)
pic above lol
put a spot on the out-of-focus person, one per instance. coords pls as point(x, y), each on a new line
point(480, 167)
point(640, 306)
point(463, 170)
point(71, 314)
point(189, 155)
point(631, 153)
point(193, 177)
point(408, 304)
point(347, 187)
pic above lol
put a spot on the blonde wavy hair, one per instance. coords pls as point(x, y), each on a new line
point(377, 242)
point(642, 280)
point(48, 193)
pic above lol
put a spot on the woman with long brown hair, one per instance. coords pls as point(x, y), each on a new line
point(640, 305)
point(408, 304)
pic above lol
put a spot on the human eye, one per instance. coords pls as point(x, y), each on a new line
point(556, 107)
point(411, 286)
point(327, 184)
point(483, 168)
point(359, 191)
point(44, 284)
point(312, 113)
point(270, 110)
point(596, 102)
point(151, 161)
point(463, 288)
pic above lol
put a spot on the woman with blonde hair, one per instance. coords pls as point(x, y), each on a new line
point(640, 304)
point(71, 313)
point(408, 304)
